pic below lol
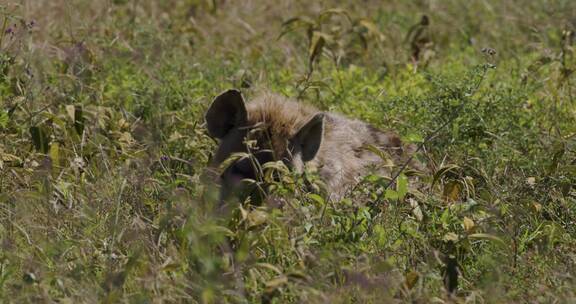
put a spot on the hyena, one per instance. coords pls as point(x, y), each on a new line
point(273, 128)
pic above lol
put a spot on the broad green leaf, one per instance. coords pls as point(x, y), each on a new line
point(391, 195)
point(3, 119)
point(402, 186)
point(413, 138)
point(317, 198)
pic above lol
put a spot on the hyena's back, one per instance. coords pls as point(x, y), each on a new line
point(274, 128)
point(343, 157)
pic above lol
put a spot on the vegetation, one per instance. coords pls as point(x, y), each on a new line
point(102, 151)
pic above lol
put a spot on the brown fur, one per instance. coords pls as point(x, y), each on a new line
point(342, 157)
point(281, 117)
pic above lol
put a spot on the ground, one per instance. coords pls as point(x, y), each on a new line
point(103, 152)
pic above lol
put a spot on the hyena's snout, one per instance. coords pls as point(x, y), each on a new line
point(249, 167)
point(244, 176)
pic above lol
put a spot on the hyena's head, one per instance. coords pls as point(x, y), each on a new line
point(269, 129)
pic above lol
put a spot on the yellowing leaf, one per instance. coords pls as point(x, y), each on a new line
point(257, 217)
point(70, 110)
point(452, 191)
point(468, 224)
point(371, 27)
point(486, 236)
point(316, 45)
point(451, 236)
point(243, 213)
point(175, 136)
point(444, 171)
point(126, 137)
point(384, 156)
point(411, 279)
point(9, 157)
point(537, 206)
point(416, 209)
point(270, 267)
point(208, 295)
point(276, 282)
point(55, 154)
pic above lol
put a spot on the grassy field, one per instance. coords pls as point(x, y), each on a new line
point(102, 151)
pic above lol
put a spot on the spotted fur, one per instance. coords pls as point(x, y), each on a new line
point(342, 158)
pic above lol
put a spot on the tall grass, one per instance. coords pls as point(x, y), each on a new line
point(104, 197)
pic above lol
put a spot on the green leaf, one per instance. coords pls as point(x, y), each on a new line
point(3, 118)
point(77, 116)
point(317, 198)
point(308, 226)
point(78, 120)
point(55, 154)
point(402, 186)
point(391, 195)
point(413, 138)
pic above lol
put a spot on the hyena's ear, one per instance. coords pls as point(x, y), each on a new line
point(226, 112)
point(308, 139)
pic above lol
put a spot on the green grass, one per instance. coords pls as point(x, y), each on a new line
point(102, 152)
